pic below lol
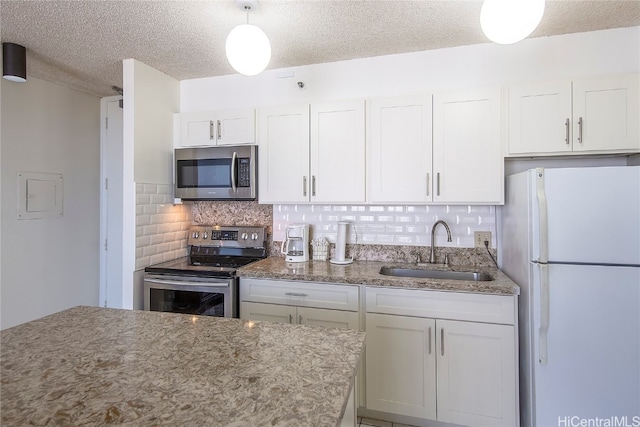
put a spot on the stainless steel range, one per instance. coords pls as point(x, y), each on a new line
point(205, 282)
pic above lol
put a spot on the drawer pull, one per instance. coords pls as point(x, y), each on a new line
point(442, 342)
point(295, 294)
point(291, 318)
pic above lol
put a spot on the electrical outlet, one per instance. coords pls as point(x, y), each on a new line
point(479, 237)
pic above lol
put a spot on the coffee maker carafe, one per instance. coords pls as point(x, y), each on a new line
point(295, 247)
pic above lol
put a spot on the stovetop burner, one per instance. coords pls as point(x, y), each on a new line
point(216, 252)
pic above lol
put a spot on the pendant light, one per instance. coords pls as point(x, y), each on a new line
point(14, 62)
point(509, 21)
point(248, 48)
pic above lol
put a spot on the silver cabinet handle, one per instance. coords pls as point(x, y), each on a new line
point(295, 294)
point(234, 159)
point(566, 131)
point(290, 318)
point(427, 183)
point(210, 129)
point(438, 184)
point(299, 319)
point(429, 338)
point(313, 185)
point(219, 130)
point(304, 186)
point(442, 342)
point(580, 123)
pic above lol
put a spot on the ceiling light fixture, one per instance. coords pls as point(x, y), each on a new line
point(248, 48)
point(14, 62)
point(509, 21)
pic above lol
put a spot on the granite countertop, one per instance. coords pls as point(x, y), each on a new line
point(94, 366)
point(367, 273)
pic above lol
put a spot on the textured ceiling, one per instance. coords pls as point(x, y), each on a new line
point(81, 43)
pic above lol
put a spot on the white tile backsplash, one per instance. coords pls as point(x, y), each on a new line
point(389, 225)
point(161, 226)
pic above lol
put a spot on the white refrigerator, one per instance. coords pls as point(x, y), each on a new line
point(571, 241)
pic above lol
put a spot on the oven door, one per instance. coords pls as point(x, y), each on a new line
point(191, 295)
point(216, 173)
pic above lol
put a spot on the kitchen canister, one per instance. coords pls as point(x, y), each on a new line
point(320, 249)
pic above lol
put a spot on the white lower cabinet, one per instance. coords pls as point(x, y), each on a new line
point(444, 356)
point(299, 315)
point(455, 371)
point(302, 303)
point(401, 365)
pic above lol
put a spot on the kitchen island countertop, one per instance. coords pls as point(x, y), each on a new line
point(94, 366)
point(367, 273)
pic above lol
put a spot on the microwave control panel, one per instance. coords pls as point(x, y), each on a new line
point(244, 172)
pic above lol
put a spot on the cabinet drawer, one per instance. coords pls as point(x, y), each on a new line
point(442, 305)
point(301, 294)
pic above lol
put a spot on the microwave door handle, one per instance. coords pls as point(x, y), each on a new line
point(234, 159)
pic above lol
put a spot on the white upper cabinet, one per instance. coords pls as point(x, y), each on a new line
point(467, 147)
point(540, 118)
point(312, 153)
point(283, 154)
point(209, 128)
point(596, 115)
point(606, 114)
point(400, 168)
point(338, 152)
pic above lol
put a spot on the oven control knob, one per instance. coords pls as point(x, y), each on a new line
point(244, 236)
point(196, 234)
point(204, 235)
point(254, 236)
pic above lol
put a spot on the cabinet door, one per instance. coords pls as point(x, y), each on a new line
point(400, 159)
point(401, 365)
point(338, 152)
point(267, 312)
point(467, 149)
point(608, 109)
point(540, 118)
point(197, 129)
point(283, 154)
point(328, 318)
point(236, 126)
point(476, 374)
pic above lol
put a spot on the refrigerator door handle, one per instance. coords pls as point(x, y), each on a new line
point(544, 314)
point(543, 255)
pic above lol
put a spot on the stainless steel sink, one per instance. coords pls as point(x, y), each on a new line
point(436, 274)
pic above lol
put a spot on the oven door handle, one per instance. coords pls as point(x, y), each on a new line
point(220, 284)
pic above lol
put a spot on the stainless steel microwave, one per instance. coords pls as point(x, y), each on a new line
point(216, 173)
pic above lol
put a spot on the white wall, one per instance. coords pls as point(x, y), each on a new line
point(558, 57)
point(155, 96)
point(49, 265)
point(150, 100)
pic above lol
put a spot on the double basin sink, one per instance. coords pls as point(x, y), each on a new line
point(436, 274)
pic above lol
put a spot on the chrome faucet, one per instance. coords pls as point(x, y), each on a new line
point(432, 255)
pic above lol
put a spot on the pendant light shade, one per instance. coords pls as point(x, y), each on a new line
point(248, 49)
point(14, 62)
point(509, 21)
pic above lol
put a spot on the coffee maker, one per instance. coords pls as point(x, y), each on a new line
point(295, 247)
